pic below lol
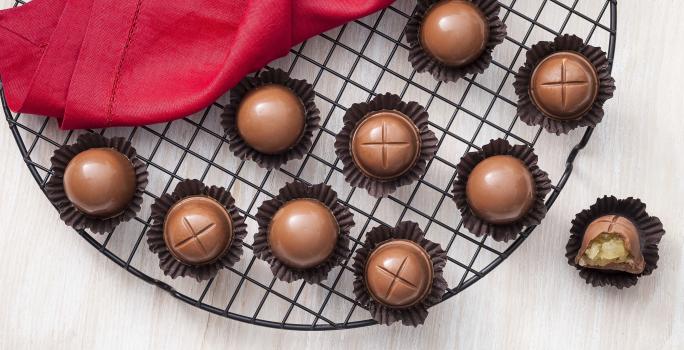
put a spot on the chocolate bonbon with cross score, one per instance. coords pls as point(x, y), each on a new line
point(385, 145)
point(198, 230)
point(564, 85)
point(399, 273)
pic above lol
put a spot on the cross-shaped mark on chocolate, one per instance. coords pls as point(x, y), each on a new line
point(384, 143)
point(194, 235)
point(396, 278)
point(564, 83)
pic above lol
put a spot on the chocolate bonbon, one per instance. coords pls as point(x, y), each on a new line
point(385, 144)
point(564, 85)
point(500, 189)
point(197, 230)
point(455, 32)
point(271, 119)
point(100, 182)
point(303, 233)
point(614, 242)
point(452, 38)
point(611, 242)
point(97, 182)
point(398, 273)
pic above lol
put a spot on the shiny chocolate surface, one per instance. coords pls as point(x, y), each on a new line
point(271, 119)
point(303, 233)
point(100, 182)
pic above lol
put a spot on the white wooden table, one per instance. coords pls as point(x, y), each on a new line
point(58, 292)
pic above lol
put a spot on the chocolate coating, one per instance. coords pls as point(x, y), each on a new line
point(564, 85)
point(198, 230)
point(454, 32)
point(303, 233)
point(100, 182)
point(613, 226)
point(399, 273)
point(271, 119)
point(385, 145)
point(500, 189)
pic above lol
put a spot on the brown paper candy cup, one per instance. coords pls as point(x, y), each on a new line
point(312, 118)
point(355, 114)
point(650, 231)
point(502, 232)
point(54, 188)
point(422, 61)
point(528, 111)
point(155, 235)
point(296, 190)
point(413, 315)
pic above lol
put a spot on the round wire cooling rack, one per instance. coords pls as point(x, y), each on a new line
point(348, 64)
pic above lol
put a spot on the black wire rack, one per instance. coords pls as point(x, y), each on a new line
point(348, 64)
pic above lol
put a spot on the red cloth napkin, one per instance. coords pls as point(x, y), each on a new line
point(100, 63)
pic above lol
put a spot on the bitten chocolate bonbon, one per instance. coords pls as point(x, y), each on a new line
point(385, 144)
point(500, 189)
point(564, 85)
point(271, 119)
point(100, 182)
point(398, 274)
point(303, 233)
point(97, 182)
point(455, 32)
point(197, 230)
point(614, 242)
point(611, 242)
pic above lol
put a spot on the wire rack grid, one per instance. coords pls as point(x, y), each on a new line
point(348, 64)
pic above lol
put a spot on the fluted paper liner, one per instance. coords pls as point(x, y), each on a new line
point(413, 315)
point(312, 118)
point(501, 232)
point(528, 111)
point(422, 61)
point(296, 190)
point(355, 114)
point(155, 235)
point(54, 189)
point(650, 231)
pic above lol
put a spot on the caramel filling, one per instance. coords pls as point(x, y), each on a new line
point(606, 248)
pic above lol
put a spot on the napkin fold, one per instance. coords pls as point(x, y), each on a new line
point(102, 63)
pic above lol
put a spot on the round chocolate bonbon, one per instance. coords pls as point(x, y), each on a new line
point(271, 119)
point(500, 189)
point(385, 144)
point(100, 182)
point(398, 273)
point(303, 233)
point(454, 32)
point(198, 230)
point(564, 85)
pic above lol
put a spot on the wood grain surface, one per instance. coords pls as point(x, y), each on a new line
point(56, 291)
